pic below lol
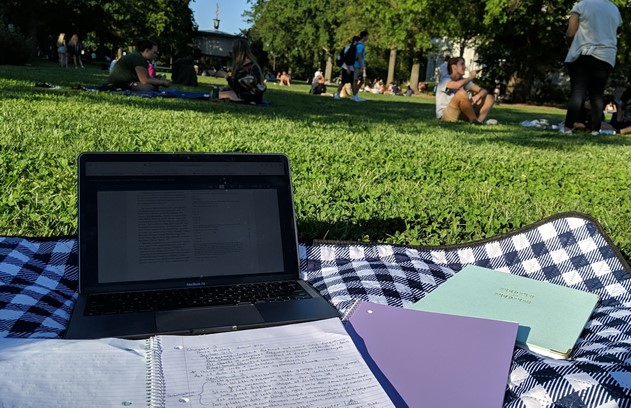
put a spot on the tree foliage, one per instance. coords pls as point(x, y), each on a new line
point(523, 42)
point(114, 23)
point(307, 33)
point(519, 42)
point(297, 33)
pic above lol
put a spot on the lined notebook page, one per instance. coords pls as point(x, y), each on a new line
point(301, 365)
point(72, 373)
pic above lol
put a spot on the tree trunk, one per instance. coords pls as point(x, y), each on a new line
point(328, 70)
point(414, 74)
point(391, 65)
point(520, 86)
point(462, 47)
point(31, 29)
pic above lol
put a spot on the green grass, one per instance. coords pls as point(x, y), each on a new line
point(385, 170)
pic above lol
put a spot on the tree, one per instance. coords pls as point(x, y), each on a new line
point(524, 42)
point(114, 22)
point(297, 33)
point(395, 25)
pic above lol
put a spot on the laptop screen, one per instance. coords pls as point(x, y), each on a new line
point(159, 220)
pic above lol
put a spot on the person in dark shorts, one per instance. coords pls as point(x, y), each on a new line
point(348, 71)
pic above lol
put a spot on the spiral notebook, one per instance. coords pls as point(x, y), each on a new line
point(312, 364)
point(425, 359)
point(307, 364)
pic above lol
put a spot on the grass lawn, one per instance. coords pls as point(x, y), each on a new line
point(385, 170)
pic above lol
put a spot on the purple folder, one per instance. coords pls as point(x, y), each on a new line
point(425, 359)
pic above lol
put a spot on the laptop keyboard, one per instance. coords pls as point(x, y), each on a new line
point(171, 299)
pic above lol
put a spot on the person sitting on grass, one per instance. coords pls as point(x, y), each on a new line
point(318, 87)
point(584, 122)
point(452, 96)
point(621, 118)
point(245, 78)
point(284, 79)
point(132, 71)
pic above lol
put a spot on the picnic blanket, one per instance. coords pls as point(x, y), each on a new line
point(163, 93)
point(38, 281)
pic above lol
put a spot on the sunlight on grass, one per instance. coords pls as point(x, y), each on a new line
point(384, 170)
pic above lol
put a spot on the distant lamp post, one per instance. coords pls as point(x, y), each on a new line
point(216, 19)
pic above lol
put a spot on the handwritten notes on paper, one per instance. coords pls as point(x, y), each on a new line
point(301, 365)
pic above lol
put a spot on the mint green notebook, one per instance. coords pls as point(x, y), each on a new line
point(550, 317)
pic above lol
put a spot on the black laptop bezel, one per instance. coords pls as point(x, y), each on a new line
point(87, 237)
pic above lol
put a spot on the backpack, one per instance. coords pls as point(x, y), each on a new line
point(347, 55)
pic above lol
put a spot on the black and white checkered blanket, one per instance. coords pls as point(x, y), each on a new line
point(38, 281)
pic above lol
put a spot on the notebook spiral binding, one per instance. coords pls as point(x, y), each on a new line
point(155, 377)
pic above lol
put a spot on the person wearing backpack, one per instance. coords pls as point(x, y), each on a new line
point(346, 60)
point(360, 66)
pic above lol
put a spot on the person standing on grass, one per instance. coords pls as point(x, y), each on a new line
point(591, 31)
point(62, 50)
point(75, 48)
point(132, 71)
point(452, 96)
point(348, 70)
point(360, 66)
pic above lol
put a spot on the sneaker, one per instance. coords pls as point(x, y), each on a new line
point(565, 130)
point(336, 96)
point(491, 122)
point(357, 98)
point(46, 85)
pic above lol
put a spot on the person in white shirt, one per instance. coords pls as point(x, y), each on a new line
point(452, 95)
point(317, 74)
point(592, 30)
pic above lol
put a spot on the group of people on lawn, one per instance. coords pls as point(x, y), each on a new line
point(591, 33)
point(245, 79)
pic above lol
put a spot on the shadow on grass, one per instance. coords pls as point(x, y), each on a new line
point(290, 105)
point(382, 231)
point(372, 230)
point(295, 104)
point(544, 139)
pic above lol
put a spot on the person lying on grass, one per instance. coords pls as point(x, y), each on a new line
point(132, 71)
point(452, 96)
point(245, 79)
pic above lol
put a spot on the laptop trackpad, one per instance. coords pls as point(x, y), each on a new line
point(207, 318)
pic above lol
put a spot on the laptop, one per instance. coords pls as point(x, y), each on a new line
point(176, 243)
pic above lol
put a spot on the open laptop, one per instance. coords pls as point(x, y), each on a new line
point(175, 243)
